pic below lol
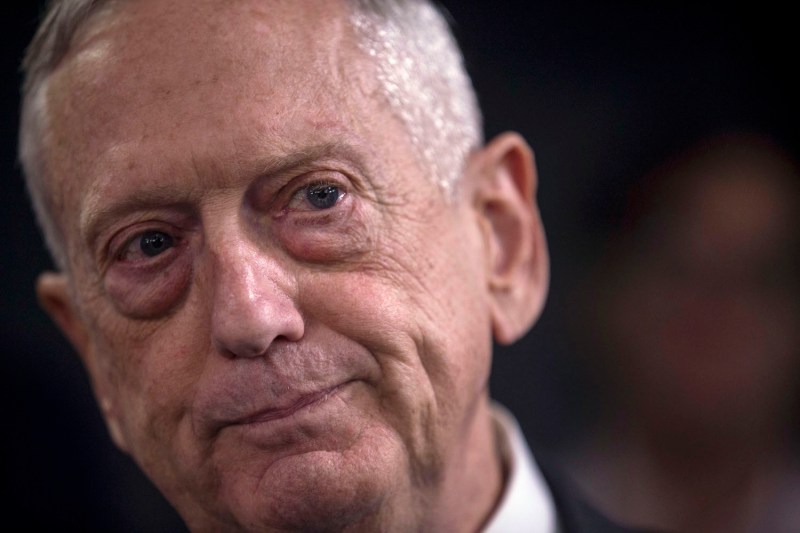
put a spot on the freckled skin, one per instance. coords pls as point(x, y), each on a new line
point(378, 304)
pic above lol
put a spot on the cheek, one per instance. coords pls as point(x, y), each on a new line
point(152, 364)
point(454, 303)
point(416, 303)
point(143, 294)
point(154, 372)
point(341, 237)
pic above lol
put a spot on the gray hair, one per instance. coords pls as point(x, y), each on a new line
point(419, 66)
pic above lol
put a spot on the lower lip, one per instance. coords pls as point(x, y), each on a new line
point(306, 403)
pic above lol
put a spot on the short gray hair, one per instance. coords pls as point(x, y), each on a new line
point(419, 66)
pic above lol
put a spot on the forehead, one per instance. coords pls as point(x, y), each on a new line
point(151, 83)
point(198, 33)
point(143, 57)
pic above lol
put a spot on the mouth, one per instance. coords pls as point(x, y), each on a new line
point(305, 401)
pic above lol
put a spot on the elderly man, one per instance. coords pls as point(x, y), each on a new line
point(284, 251)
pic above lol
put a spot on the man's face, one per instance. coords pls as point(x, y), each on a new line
point(283, 317)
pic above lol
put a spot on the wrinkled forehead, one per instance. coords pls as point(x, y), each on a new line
point(146, 52)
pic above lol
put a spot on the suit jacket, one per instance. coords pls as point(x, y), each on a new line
point(574, 514)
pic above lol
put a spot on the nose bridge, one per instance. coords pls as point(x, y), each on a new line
point(252, 305)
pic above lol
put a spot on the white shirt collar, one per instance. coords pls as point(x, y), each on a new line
point(526, 505)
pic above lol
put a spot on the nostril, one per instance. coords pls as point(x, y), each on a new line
point(252, 335)
point(233, 350)
point(248, 326)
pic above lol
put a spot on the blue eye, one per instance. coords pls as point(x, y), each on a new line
point(154, 243)
point(323, 195)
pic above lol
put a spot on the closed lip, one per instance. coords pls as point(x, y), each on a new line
point(289, 408)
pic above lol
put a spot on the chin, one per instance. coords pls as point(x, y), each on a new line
point(360, 488)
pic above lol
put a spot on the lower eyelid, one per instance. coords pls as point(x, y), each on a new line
point(149, 291)
point(319, 217)
point(327, 236)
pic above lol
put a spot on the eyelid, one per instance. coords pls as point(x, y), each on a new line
point(134, 246)
point(175, 220)
point(289, 198)
point(124, 239)
point(148, 287)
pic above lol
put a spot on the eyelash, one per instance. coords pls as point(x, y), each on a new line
point(121, 253)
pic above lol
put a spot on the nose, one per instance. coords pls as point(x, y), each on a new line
point(251, 306)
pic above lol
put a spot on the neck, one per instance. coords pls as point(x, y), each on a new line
point(474, 480)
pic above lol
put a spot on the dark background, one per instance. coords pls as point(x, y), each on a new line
point(602, 91)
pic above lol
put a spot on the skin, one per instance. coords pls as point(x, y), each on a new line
point(281, 366)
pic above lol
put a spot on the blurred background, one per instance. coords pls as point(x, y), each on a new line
point(664, 371)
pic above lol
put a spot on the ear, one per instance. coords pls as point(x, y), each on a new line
point(53, 292)
point(517, 263)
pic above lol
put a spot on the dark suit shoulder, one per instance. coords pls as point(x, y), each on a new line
point(574, 513)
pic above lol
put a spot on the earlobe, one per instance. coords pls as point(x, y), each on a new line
point(517, 262)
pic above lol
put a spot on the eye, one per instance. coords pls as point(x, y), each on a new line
point(146, 245)
point(153, 243)
point(317, 196)
point(322, 195)
point(324, 218)
point(146, 261)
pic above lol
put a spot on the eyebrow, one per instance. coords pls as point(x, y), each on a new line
point(161, 195)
